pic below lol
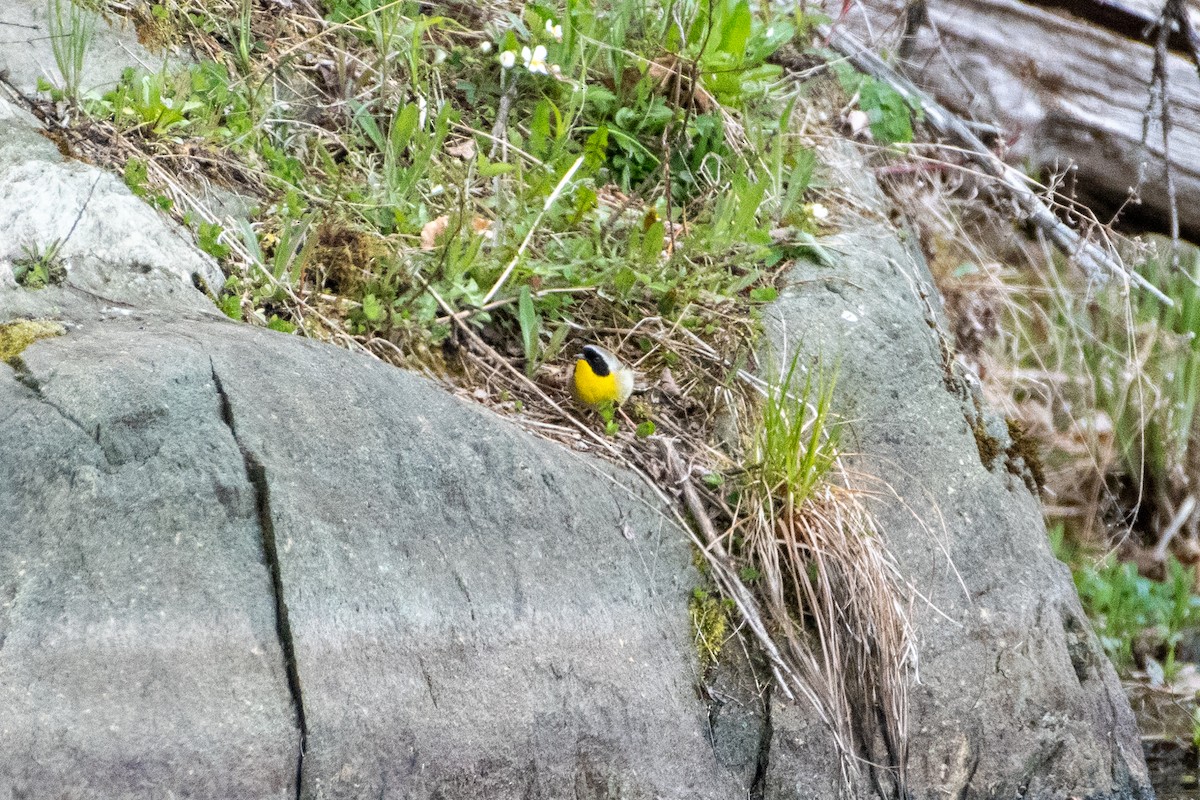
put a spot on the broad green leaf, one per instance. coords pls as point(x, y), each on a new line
point(652, 243)
point(539, 128)
point(527, 316)
point(404, 125)
point(365, 121)
point(624, 280)
point(736, 31)
point(799, 180)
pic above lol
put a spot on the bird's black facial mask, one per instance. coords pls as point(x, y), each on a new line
point(595, 361)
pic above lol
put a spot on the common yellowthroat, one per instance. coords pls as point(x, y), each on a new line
point(599, 377)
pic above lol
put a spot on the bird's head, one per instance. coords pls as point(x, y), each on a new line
point(597, 359)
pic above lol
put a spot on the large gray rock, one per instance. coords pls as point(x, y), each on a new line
point(475, 612)
point(472, 612)
point(138, 650)
point(1015, 697)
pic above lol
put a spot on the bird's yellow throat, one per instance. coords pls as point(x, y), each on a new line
point(595, 389)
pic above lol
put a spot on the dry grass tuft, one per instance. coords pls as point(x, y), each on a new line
point(827, 588)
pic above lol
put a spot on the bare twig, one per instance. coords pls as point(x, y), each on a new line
point(1177, 522)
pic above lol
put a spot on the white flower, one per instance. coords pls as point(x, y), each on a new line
point(485, 47)
point(535, 61)
point(859, 123)
point(439, 56)
point(770, 32)
point(508, 58)
point(818, 211)
point(554, 30)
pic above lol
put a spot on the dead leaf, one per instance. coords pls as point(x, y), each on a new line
point(859, 123)
point(666, 382)
point(464, 149)
point(432, 230)
point(484, 227)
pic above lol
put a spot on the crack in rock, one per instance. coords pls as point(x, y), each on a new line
point(257, 475)
point(26, 378)
point(758, 786)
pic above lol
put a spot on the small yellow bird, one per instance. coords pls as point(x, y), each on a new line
point(599, 377)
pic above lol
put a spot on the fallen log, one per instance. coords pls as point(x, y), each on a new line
point(1069, 90)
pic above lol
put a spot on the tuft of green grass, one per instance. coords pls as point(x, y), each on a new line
point(809, 549)
point(796, 442)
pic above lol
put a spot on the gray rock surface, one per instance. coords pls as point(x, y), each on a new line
point(475, 612)
point(472, 612)
point(26, 54)
point(1016, 697)
point(137, 634)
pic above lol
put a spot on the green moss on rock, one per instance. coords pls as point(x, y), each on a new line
point(989, 447)
point(709, 620)
point(16, 336)
point(1024, 460)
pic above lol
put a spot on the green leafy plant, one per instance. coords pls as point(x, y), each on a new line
point(1127, 608)
point(37, 268)
point(158, 102)
point(208, 239)
point(530, 327)
point(888, 113)
point(136, 174)
point(608, 413)
point(290, 253)
point(730, 46)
